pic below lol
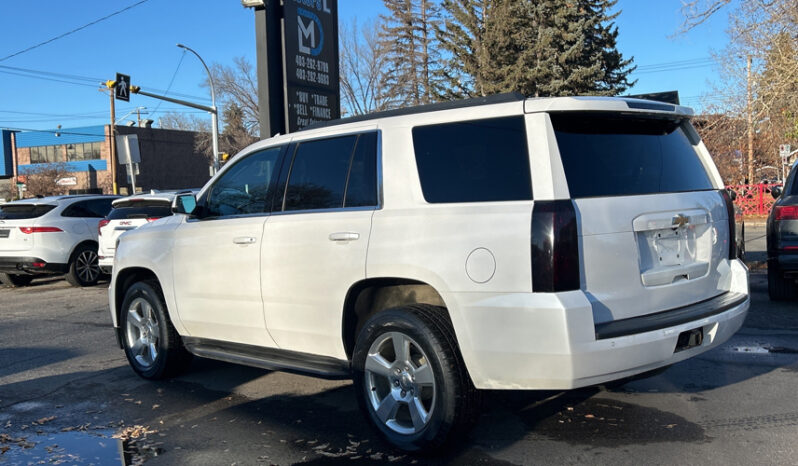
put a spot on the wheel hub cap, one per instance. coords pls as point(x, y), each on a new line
point(400, 383)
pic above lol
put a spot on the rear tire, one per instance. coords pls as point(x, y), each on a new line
point(420, 398)
point(780, 288)
point(152, 345)
point(83, 268)
point(13, 280)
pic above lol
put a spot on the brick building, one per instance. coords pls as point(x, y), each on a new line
point(168, 158)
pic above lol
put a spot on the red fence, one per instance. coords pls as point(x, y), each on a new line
point(754, 199)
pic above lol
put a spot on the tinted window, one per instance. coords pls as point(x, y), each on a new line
point(611, 155)
point(473, 161)
point(318, 174)
point(245, 187)
point(94, 208)
point(361, 189)
point(140, 209)
point(99, 207)
point(23, 211)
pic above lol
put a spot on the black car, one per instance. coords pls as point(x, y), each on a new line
point(782, 240)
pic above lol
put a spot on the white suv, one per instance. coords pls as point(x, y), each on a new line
point(498, 243)
point(51, 235)
point(129, 213)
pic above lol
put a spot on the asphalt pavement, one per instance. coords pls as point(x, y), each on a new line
point(68, 396)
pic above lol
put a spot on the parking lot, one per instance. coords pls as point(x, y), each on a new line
point(67, 395)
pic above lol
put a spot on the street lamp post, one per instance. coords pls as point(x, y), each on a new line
point(214, 113)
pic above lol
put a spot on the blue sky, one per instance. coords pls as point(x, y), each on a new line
point(141, 42)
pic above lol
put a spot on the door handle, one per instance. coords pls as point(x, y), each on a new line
point(344, 236)
point(244, 240)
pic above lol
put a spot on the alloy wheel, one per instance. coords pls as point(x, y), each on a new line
point(400, 383)
point(86, 266)
point(143, 332)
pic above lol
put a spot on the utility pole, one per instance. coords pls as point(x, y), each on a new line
point(112, 131)
point(749, 106)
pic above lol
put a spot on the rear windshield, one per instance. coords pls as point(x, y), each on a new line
point(140, 209)
point(23, 211)
point(615, 155)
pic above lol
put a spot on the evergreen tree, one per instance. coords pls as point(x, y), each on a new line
point(407, 42)
point(461, 36)
point(536, 47)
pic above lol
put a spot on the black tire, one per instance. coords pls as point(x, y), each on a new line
point(454, 405)
point(780, 288)
point(14, 280)
point(83, 267)
point(145, 301)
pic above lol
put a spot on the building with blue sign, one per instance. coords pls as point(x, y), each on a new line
point(169, 159)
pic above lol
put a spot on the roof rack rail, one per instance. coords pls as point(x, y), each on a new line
point(473, 102)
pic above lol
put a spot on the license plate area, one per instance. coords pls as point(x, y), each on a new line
point(689, 339)
point(4, 233)
point(670, 255)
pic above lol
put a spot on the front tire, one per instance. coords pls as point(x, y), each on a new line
point(412, 384)
point(83, 268)
point(14, 280)
point(152, 345)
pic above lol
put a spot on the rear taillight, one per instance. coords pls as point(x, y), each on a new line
point(152, 219)
point(555, 246)
point(785, 212)
point(732, 231)
point(29, 230)
point(100, 226)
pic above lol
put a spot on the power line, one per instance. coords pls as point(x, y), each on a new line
point(60, 36)
point(171, 81)
point(46, 79)
point(50, 73)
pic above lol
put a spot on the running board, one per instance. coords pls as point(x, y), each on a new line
point(269, 358)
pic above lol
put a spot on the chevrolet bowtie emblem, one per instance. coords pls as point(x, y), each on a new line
point(680, 220)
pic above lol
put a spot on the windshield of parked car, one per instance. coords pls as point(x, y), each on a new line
point(24, 211)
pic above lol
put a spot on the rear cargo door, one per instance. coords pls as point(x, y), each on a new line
point(653, 227)
point(15, 220)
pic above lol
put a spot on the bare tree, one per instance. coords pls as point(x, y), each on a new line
point(697, 12)
point(759, 76)
point(238, 84)
point(362, 68)
point(42, 179)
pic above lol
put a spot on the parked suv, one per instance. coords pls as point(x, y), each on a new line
point(129, 213)
point(51, 235)
point(782, 240)
point(428, 253)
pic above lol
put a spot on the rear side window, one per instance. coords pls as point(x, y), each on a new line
point(614, 155)
point(318, 174)
point(140, 209)
point(361, 189)
point(473, 161)
point(24, 211)
point(94, 208)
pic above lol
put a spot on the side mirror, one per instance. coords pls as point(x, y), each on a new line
point(775, 191)
point(184, 204)
point(732, 194)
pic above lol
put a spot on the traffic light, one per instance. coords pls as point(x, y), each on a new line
point(225, 157)
point(110, 84)
point(135, 89)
